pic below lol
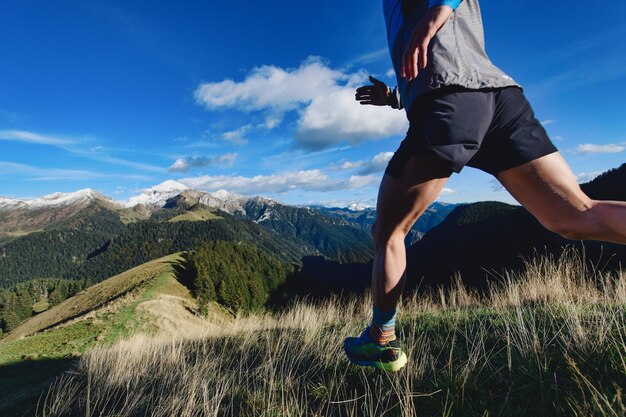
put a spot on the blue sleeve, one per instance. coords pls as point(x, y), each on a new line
point(450, 3)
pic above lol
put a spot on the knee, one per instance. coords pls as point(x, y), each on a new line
point(567, 230)
point(576, 225)
point(384, 236)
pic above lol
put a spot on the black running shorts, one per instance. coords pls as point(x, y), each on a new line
point(492, 130)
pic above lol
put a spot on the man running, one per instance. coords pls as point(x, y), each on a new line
point(462, 110)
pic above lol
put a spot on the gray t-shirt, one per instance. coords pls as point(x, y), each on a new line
point(456, 55)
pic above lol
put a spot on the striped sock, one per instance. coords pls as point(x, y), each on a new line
point(383, 327)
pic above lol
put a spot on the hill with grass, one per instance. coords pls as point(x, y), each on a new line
point(145, 300)
point(548, 341)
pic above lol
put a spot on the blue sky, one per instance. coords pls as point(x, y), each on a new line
point(258, 99)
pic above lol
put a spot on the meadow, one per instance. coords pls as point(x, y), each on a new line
point(547, 341)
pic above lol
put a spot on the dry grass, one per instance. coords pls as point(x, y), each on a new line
point(550, 341)
point(198, 215)
point(126, 284)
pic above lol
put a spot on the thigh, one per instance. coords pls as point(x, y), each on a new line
point(402, 200)
point(547, 188)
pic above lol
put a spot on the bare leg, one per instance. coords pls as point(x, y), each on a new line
point(400, 203)
point(548, 189)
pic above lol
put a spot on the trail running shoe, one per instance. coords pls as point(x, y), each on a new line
point(363, 351)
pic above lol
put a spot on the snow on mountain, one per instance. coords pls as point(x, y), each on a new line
point(53, 200)
point(11, 203)
point(154, 197)
point(169, 185)
point(157, 195)
point(226, 195)
point(358, 207)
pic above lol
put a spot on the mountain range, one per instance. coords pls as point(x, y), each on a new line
point(22, 216)
point(87, 235)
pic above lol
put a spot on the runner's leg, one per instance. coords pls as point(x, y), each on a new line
point(548, 189)
point(400, 203)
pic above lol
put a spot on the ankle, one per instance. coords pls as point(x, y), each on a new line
point(383, 327)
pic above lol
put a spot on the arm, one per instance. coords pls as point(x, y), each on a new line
point(378, 94)
point(416, 53)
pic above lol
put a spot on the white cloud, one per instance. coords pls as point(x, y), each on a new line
point(271, 122)
point(98, 152)
point(351, 165)
point(46, 173)
point(30, 137)
point(446, 191)
point(496, 186)
point(58, 174)
point(559, 138)
point(587, 176)
point(593, 148)
point(336, 117)
point(122, 162)
point(310, 180)
point(547, 122)
point(360, 181)
point(377, 164)
point(391, 73)
point(237, 136)
point(372, 56)
point(272, 87)
point(190, 162)
point(323, 97)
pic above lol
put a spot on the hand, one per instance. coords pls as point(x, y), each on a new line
point(376, 94)
point(416, 53)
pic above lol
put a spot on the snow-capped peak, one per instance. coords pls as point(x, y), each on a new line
point(225, 195)
point(56, 199)
point(168, 186)
point(358, 207)
point(157, 195)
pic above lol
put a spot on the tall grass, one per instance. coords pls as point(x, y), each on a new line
point(549, 341)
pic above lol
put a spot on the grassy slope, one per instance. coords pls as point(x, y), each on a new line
point(93, 298)
point(554, 344)
point(197, 215)
point(141, 300)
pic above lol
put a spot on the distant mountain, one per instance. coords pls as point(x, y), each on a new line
point(170, 198)
point(481, 240)
point(88, 235)
point(53, 200)
point(20, 217)
point(365, 217)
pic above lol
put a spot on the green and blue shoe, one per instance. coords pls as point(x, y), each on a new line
point(364, 352)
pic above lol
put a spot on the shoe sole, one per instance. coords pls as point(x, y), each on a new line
point(386, 366)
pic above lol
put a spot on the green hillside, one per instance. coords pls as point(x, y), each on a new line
point(196, 214)
point(97, 242)
point(548, 342)
point(145, 300)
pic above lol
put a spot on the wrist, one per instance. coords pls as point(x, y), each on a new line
point(435, 18)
